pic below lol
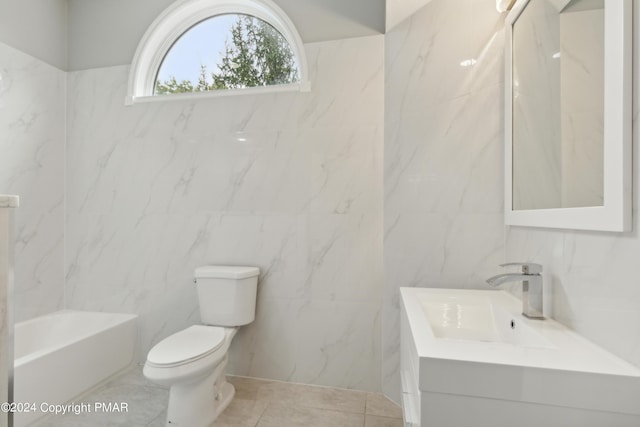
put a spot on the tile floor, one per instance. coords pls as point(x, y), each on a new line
point(258, 403)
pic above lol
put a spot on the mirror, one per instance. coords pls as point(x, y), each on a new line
point(558, 105)
point(568, 114)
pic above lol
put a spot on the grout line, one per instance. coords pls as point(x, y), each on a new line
point(261, 414)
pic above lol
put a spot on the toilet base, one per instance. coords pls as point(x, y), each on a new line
point(199, 403)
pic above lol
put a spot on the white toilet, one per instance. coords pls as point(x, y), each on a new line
point(192, 361)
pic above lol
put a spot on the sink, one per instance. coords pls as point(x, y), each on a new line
point(478, 318)
point(473, 349)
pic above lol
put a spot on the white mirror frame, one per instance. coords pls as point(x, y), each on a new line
point(616, 214)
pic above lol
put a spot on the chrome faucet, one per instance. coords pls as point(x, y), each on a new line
point(531, 286)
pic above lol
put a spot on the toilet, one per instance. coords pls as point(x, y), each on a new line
point(192, 362)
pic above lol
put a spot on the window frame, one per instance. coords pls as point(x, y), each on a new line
point(179, 18)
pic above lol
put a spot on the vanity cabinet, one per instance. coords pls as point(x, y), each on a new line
point(469, 358)
point(409, 375)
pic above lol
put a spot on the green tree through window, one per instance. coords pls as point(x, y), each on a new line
point(256, 54)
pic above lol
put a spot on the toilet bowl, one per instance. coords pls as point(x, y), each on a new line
point(192, 362)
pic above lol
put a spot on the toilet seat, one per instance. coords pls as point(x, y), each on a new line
point(186, 346)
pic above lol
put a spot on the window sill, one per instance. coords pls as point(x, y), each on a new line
point(195, 96)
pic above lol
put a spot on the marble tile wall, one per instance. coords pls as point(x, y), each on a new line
point(289, 182)
point(592, 277)
point(32, 140)
point(443, 156)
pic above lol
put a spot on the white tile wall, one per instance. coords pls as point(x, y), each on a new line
point(289, 182)
point(443, 221)
point(32, 139)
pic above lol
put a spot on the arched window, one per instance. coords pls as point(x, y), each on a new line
point(218, 47)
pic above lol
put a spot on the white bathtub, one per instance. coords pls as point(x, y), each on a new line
point(61, 355)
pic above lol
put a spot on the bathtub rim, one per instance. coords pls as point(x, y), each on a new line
point(121, 318)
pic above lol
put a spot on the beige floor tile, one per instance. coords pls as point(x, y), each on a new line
point(375, 421)
point(378, 404)
point(333, 399)
point(299, 394)
point(241, 413)
point(247, 388)
point(280, 393)
point(257, 402)
point(300, 416)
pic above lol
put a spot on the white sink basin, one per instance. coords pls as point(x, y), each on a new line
point(477, 318)
point(474, 349)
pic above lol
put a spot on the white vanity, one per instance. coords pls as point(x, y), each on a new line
point(469, 358)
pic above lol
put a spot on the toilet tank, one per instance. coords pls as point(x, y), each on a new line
point(227, 294)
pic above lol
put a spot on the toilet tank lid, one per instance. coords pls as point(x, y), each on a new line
point(226, 272)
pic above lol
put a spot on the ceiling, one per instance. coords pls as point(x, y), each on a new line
point(320, 20)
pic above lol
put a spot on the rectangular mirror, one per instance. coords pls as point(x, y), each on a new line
point(568, 114)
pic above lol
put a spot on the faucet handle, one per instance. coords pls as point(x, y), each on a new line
point(527, 267)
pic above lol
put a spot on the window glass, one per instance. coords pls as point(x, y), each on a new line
point(227, 52)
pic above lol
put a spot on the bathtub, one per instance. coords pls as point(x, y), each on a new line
point(64, 354)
